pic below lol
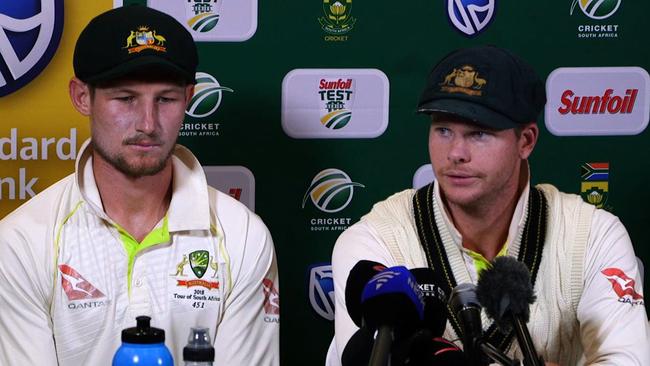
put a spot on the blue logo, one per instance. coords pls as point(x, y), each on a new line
point(321, 290)
point(30, 31)
point(470, 17)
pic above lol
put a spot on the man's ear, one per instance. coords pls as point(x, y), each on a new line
point(80, 96)
point(189, 93)
point(528, 139)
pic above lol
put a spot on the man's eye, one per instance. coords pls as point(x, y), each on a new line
point(126, 98)
point(443, 131)
point(165, 99)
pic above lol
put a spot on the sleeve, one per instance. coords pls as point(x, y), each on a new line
point(357, 243)
point(613, 322)
point(26, 336)
point(248, 333)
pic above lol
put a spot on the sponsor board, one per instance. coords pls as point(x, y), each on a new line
point(321, 290)
point(213, 20)
point(423, 176)
point(584, 101)
point(237, 181)
point(470, 17)
point(335, 103)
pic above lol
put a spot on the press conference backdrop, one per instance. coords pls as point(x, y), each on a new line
point(305, 111)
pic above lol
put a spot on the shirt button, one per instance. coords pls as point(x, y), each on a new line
point(138, 282)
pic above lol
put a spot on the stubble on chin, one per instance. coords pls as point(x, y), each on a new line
point(121, 164)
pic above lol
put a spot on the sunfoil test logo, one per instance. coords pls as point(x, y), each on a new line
point(30, 31)
point(335, 103)
point(202, 15)
point(470, 17)
point(321, 290)
point(331, 190)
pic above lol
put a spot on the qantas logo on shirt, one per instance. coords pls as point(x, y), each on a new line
point(75, 286)
point(623, 286)
point(271, 301)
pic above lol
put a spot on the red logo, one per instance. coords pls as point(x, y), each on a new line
point(598, 104)
point(75, 286)
point(621, 283)
point(271, 298)
point(235, 193)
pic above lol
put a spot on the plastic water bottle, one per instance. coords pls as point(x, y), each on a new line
point(143, 346)
point(199, 350)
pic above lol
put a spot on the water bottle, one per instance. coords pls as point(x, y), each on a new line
point(199, 350)
point(143, 346)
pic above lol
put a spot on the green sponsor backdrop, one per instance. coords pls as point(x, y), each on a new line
point(403, 39)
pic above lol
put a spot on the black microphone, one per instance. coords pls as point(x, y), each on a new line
point(423, 349)
point(467, 308)
point(506, 293)
point(435, 300)
point(358, 277)
point(357, 350)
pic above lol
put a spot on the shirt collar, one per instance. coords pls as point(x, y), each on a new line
point(189, 208)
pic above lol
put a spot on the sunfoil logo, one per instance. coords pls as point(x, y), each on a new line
point(596, 9)
point(470, 17)
point(208, 94)
point(30, 32)
point(331, 190)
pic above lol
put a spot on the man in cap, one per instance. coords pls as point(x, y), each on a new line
point(135, 230)
point(483, 103)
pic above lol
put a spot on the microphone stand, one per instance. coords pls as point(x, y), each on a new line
point(496, 355)
point(526, 343)
point(380, 354)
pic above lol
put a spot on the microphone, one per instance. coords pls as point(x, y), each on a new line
point(392, 304)
point(357, 350)
point(423, 349)
point(465, 305)
point(358, 277)
point(506, 293)
point(435, 300)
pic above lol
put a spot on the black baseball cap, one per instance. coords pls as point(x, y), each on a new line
point(132, 39)
point(486, 85)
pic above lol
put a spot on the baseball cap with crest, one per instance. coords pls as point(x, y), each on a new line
point(486, 85)
point(131, 39)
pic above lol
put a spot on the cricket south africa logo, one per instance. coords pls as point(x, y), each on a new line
point(202, 15)
point(594, 187)
point(338, 17)
point(30, 32)
point(470, 17)
point(144, 38)
point(207, 96)
point(337, 97)
point(330, 191)
point(596, 9)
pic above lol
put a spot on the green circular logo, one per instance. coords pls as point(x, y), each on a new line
point(207, 96)
point(331, 190)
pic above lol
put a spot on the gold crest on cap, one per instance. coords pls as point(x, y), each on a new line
point(464, 79)
point(143, 38)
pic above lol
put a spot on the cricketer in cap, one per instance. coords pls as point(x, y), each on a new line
point(135, 230)
point(482, 104)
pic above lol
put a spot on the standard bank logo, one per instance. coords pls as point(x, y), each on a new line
point(213, 20)
point(335, 103)
point(236, 181)
point(596, 9)
point(321, 290)
point(30, 32)
point(605, 101)
point(470, 17)
point(331, 190)
point(207, 96)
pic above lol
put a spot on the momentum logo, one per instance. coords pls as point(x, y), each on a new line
point(335, 103)
point(597, 101)
point(331, 190)
point(470, 17)
point(30, 32)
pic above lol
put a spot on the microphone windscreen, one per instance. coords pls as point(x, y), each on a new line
point(358, 277)
point(423, 349)
point(357, 350)
point(392, 298)
point(504, 290)
point(435, 300)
